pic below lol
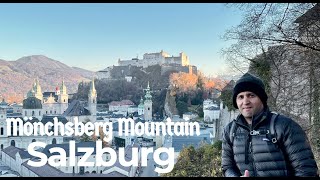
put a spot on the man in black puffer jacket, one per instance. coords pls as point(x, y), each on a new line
point(251, 151)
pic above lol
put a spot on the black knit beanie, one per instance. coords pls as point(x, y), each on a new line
point(249, 82)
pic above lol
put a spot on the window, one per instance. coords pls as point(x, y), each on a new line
point(1, 133)
point(81, 170)
point(39, 113)
point(1, 146)
point(25, 113)
point(55, 112)
point(13, 143)
point(32, 113)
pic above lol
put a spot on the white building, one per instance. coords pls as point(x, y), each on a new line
point(161, 58)
point(37, 105)
point(17, 108)
point(122, 106)
point(16, 159)
point(189, 116)
point(211, 115)
point(207, 103)
point(78, 155)
point(22, 141)
point(211, 111)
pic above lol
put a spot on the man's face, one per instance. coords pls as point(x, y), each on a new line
point(249, 104)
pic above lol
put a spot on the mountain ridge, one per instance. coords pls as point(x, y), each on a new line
point(18, 76)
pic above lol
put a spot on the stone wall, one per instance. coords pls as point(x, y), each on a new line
point(226, 117)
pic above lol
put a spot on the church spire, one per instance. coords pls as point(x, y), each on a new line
point(148, 95)
point(92, 90)
point(148, 104)
point(36, 89)
point(63, 89)
point(92, 101)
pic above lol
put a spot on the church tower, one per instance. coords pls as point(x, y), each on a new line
point(148, 105)
point(92, 101)
point(3, 129)
point(37, 90)
point(63, 97)
point(141, 107)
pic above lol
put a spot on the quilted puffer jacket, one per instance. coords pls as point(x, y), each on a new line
point(290, 156)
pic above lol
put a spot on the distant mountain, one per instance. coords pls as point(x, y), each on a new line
point(17, 77)
point(229, 77)
point(83, 72)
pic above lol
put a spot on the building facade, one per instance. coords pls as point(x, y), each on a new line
point(38, 104)
point(161, 58)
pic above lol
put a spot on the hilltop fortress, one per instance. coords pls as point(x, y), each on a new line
point(161, 58)
point(168, 63)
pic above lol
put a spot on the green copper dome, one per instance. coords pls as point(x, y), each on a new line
point(32, 103)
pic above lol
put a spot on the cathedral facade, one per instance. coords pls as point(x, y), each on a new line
point(38, 104)
point(43, 107)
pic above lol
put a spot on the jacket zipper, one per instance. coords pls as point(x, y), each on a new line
point(251, 147)
point(252, 161)
point(246, 153)
point(250, 144)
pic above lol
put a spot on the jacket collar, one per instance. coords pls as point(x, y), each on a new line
point(262, 116)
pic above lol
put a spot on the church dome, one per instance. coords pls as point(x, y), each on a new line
point(3, 103)
point(32, 103)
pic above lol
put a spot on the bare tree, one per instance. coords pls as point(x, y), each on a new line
point(291, 27)
point(269, 24)
point(281, 42)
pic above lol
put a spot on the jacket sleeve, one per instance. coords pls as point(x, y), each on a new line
point(229, 167)
point(298, 150)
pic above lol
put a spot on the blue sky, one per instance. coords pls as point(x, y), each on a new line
point(94, 36)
